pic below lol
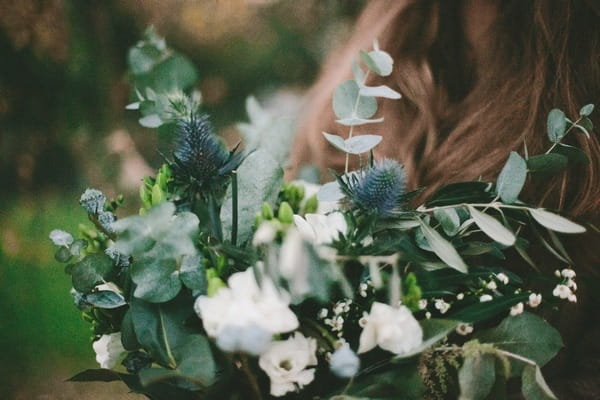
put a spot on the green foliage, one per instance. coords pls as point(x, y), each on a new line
point(91, 271)
point(511, 178)
point(349, 105)
point(476, 376)
point(442, 248)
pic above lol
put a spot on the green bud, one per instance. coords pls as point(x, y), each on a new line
point(158, 196)
point(267, 211)
point(145, 196)
point(258, 219)
point(312, 205)
point(285, 213)
point(214, 282)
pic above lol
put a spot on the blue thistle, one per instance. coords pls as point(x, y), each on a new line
point(380, 188)
point(199, 153)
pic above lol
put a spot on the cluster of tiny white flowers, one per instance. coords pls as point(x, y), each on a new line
point(336, 321)
point(502, 278)
point(464, 329)
point(516, 309)
point(364, 287)
point(567, 288)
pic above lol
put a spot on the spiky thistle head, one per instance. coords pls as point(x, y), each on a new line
point(380, 188)
point(199, 153)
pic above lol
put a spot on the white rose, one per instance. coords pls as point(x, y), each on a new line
point(286, 362)
point(108, 350)
point(392, 329)
point(246, 303)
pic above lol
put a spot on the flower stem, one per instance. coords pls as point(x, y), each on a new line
point(356, 103)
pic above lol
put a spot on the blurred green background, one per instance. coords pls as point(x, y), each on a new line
point(63, 127)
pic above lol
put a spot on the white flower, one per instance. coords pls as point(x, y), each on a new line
point(572, 298)
point(491, 285)
point(286, 362)
point(485, 297)
point(246, 303)
point(460, 296)
point(265, 234)
point(310, 190)
point(321, 229)
point(516, 309)
point(294, 262)
point(61, 238)
point(422, 304)
point(392, 329)
point(534, 300)
point(442, 306)
point(571, 284)
point(562, 291)
point(568, 273)
point(464, 329)
point(344, 362)
point(108, 350)
point(502, 278)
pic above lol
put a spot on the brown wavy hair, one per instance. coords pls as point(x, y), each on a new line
point(462, 114)
point(463, 111)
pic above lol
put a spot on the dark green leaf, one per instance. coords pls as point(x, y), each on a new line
point(551, 162)
point(90, 272)
point(402, 382)
point(534, 386)
point(511, 178)
point(160, 328)
point(556, 125)
point(62, 255)
point(477, 376)
point(462, 192)
point(489, 309)
point(526, 335)
point(128, 337)
point(573, 153)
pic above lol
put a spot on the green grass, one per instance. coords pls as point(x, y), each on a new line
point(40, 328)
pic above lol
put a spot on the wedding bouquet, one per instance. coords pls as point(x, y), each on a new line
point(233, 284)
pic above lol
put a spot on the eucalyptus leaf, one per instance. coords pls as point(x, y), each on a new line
point(443, 249)
point(380, 91)
point(491, 227)
point(534, 386)
point(355, 121)
point(586, 110)
point(358, 73)
point(585, 126)
point(347, 103)
point(362, 144)
point(555, 222)
point(193, 273)
point(336, 141)
point(157, 280)
point(526, 335)
point(511, 178)
point(574, 154)
point(91, 271)
point(259, 179)
point(105, 299)
point(476, 377)
point(378, 61)
point(150, 121)
point(556, 125)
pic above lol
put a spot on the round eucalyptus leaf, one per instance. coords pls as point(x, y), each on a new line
point(347, 103)
point(556, 125)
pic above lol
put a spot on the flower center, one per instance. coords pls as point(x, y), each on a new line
point(285, 364)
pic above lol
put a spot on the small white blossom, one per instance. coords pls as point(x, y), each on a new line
point(516, 309)
point(422, 304)
point(265, 234)
point(61, 238)
point(428, 315)
point(344, 362)
point(464, 329)
point(534, 300)
point(568, 273)
point(362, 289)
point(323, 313)
point(460, 296)
point(393, 329)
point(562, 291)
point(491, 285)
point(502, 277)
point(108, 350)
point(286, 363)
point(485, 297)
point(557, 273)
point(572, 298)
point(442, 306)
point(362, 322)
point(571, 284)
